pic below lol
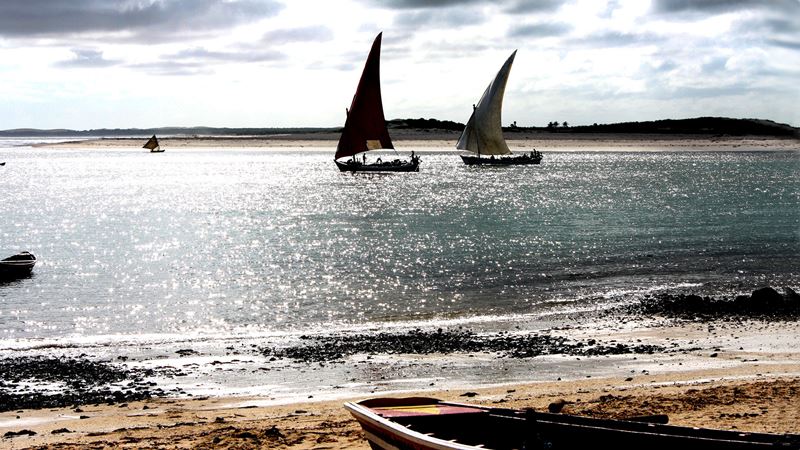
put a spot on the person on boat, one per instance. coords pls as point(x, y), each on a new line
point(365, 158)
point(379, 161)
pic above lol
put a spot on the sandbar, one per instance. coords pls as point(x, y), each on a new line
point(421, 139)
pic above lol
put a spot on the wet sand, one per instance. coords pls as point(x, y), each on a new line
point(422, 139)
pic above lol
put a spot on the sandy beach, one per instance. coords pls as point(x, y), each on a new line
point(422, 139)
point(746, 399)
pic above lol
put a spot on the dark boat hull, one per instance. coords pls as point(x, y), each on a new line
point(502, 161)
point(400, 166)
point(428, 424)
point(17, 266)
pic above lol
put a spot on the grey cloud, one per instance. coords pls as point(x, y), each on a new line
point(305, 34)
point(653, 69)
point(782, 25)
point(515, 6)
point(722, 6)
point(173, 68)
point(199, 60)
point(715, 65)
point(537, 30)
point(86, 58)
point(421, 4)
point(533, 6)
point(36, 18)
point(325, 65)
point(705, 92)
point(444, 50)
point(775, 31)
point(202, 55)
point(453, 18)
point(791, 45)
point(608, 39)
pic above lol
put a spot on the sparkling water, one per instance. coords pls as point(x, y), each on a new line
point(218, 243)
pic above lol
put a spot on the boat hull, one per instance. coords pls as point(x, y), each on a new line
point(17, 266)
point(502, 161)
point(429, 424)
point(398, 166)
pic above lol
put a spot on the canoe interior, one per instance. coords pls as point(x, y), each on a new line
point(506, 429)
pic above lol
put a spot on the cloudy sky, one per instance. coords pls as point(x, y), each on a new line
point(278, 63)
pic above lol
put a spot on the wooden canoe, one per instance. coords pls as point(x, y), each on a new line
point(420, 423)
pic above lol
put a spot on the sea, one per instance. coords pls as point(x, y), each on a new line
point(220, 250)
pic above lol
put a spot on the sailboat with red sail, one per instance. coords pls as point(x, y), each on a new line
point(365, 126)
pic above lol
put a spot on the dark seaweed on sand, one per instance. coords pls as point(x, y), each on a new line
point(85, 382)
point(765, 303)
point(419, 342)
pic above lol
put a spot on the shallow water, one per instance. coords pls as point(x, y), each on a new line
point(213, 246)
point(215, 241)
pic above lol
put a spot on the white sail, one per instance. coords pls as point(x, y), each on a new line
point(484, 133)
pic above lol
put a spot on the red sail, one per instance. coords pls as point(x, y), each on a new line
point(365, 126)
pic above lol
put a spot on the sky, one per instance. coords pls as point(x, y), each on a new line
point(86, 64)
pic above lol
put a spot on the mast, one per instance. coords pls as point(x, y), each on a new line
point(365, 125)
point(477, 141)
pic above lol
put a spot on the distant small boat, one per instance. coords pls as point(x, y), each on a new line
point(429, 424)
point(365, 125)
point(17, 266)
point(2, 163)
point(152, 145)
point(483, 133)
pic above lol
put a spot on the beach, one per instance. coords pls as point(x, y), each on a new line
point(260, 354)
point(752, 399)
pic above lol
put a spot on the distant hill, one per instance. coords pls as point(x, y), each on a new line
point(700, 125)
point(425, 124)
point(162, 131)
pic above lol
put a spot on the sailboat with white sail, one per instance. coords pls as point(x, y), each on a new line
point(365, 126)
point(483, 133)
point(152, 145)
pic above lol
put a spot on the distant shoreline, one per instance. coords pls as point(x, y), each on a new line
point(519, 141)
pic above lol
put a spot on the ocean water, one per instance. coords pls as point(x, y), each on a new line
point(220, 245)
